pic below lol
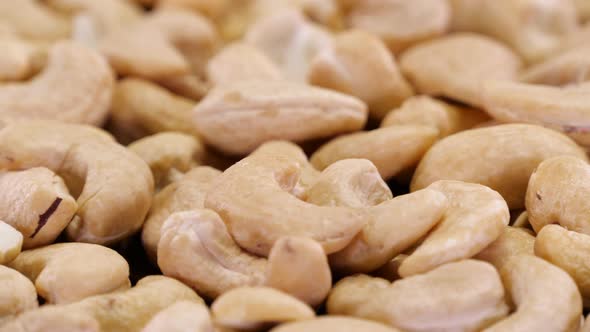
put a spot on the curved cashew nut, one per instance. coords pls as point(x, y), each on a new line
point(460, 296)
point(475, 217)
point(126, 311)
point(556, 194)
point(69, 272)
point(563, 109)
point(11, 242)
point(453, 66)
point(239, 117)
point(181, 316)
point(501, 157)
point(114, 187)
point(513, 241)
point(17, 294)
point(546, 297)
point(334, 323)
point(32, 20)
point(251, 307)
point(85, 98)
point(569, 67)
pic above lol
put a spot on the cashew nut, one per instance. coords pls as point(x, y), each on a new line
point(333, 323)
point(513, 241)
point(251, 307)
point(180, 317)
point(569, 67)
point(17, 294)
point(20, 59)
point(69, 272)
point(501, 157)
point(188, 85)
point(11, 242)
point(112, 201)
point(212, 9)
point(33, 20)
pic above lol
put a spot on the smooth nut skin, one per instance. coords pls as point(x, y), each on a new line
point(513, 241)
point(37, 203)
point(359, 64)
point(17, 294)
point(567, 250)
point(182, 316)
point(546, 297)
point(126, 311)
point(427, 111)
point(569, 67)
point(460, 296)
point(269, 211)
point(33, 20)
point(239, 117)
point(453, 66)
point(249, 307)
point(334, 323)
point(75, 86)
point(484, 156)
point(392, 149)
point(187, 193)
point(69, 272)
point(11, 242)
point(112, 201)
point(19, 58)
point(557, 193)
point(474, 218)
point(400, 23)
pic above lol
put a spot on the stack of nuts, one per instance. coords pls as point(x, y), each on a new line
point(231, 165)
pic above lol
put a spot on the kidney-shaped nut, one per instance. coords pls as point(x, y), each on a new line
point(251, 307)
point(31, 19)
point(69, 272)
point(513, 241)
point(564, 109)
point(182, 316)
point(431, 112)
point(569, 67)
point(114, 187)
point(17, 293)
point(557, 194)
point(392, 149)
point(359, 64)
point(11, 242)
point(545, 296)
point(75, 86)
point(334, 323)
point(453, 66)
point(125, 311)
point(401, 23)
point(37, 203)
point(501, 157)
point(475, 217)
point(567, 250)
point(460, 296)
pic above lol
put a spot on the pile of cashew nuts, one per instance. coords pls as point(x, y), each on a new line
point(294, 165)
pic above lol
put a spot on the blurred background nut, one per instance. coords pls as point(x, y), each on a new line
point(20, 59)
point(182, 316)
point(569, 67)
point(359, 64)
point(333, 323)
point(11, 242)
point(32, 19)
point(17, 294)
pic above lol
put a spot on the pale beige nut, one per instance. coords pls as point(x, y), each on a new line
point(189, 85)
point(31, 19)
point(169, 155)
point(19, 59)
point(113, 186)
point(125, 311)
point(475, 217)
point(251, 307)
point(399, 23)
point(142, 108)
point(69, 272)
point(564, 109)
point(583, 9)
point(514, 241)
point(237, 118)
point(546, 297)
point(290, 41)
point(428, 111)
point(182, 316)
point(569, 67)
point(392, 149)
point(461, 296)
point(334, 323)
point(212, 9)
point(522, 220)
point(75, 86)
point(566, 250)
point(453, 66)
point(556, 194)
point(390, 270)
point(17, 294)
point(501, 157)
point(37, 203)
point(359, 64)
point(241, 61)
point(187, 193)
point(11, 242)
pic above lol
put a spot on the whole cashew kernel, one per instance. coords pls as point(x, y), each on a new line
point(69, 272)
point(114, 187)
point(569, 67)
point(250, 307)
point(17, 294)
point(237, 118)
point(11, 242)
point(513, 241)
point(501, 157)
point(180, 317)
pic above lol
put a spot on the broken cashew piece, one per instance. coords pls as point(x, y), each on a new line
point(11, 242)
point(251, 307)
point(182, 316)
point(483, 156)
point(69, 272)
point(513, 241)
point(17, 294)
